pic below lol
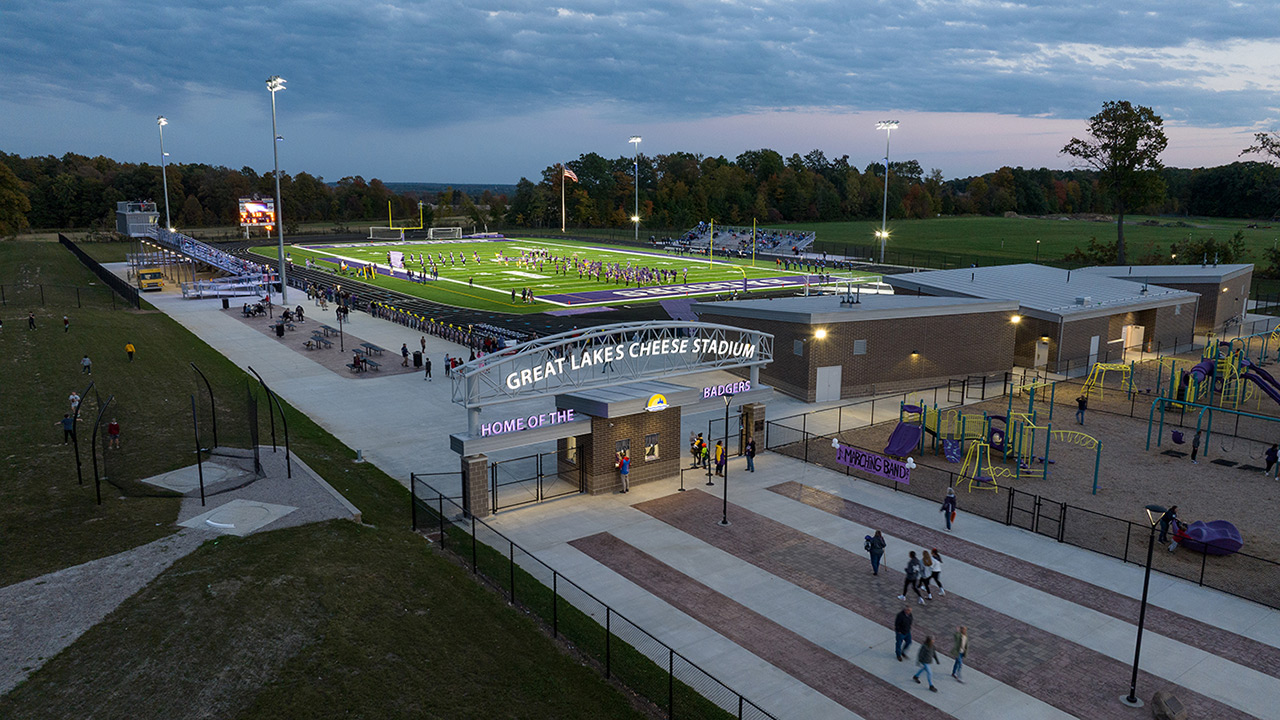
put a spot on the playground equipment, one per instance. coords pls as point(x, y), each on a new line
point(1098, 377)
point(978, 470)
point(1218, 537)
point(943, 426)
point(1088, 442)
point(906, 437)
point(1204, 421)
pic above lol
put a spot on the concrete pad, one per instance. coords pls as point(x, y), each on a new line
point(187, 480)
point(239, 517)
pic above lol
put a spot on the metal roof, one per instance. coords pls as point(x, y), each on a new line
point(825, 309)
point(1176, 274)
point(1044, 292)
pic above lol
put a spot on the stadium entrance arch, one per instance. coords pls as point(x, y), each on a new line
point(600, 391)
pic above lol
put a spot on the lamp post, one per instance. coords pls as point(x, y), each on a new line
point(1037, 250)
point(275, 83)
point(1154, 513)
point(724, 480)
point(164, 176)
point(635, 217)
point(888, 126)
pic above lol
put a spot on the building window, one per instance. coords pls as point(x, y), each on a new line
point(623, 446)
point(797, 347)
point(651, 447)
point(571, 450)
point(859, 347)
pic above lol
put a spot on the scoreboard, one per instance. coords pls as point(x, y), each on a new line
point(257, 213)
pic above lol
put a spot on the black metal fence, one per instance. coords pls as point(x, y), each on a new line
point(532, 479)
point(1240, 574)
point(619, 647)
point(124, 289)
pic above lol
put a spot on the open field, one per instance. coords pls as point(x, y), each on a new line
point(494, 273)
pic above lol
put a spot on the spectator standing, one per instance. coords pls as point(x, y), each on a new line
point(1170, 516)
point(113, 434)
point(624, 470)
point(427, 361)
point(447, 367)
point(129, 350)
point(960, 649)
point(86, 366)
point(912, 579)
point(68, 428)
point(902, 633)
point(66, 324)
point(423, 340)
point(1195, 448)
point(1272, 453)
point(949, 507)
point(31, 320)
point(722, 457)
point(1082, 404)
point(404, 354)
point(751, 454)
point(925, 658)
point(875, 546)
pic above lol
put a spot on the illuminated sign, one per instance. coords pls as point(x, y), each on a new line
point(726, 389)
point(529, 422)
point(257, 213)
point(598, 356)
point(656, 403)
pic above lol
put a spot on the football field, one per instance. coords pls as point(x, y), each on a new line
point(524, 275)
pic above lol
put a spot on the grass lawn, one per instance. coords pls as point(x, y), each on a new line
point(488, 285)
point(325, 620)
point(1015, 238)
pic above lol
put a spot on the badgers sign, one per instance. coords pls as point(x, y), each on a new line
point(726, 389)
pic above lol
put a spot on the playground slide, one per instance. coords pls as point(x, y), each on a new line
point(903, 441)
point(1265, 375)
point(951, 449)
point(1271, 391)
point(1203, 369)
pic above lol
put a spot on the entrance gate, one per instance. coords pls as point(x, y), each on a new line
point(533, 479)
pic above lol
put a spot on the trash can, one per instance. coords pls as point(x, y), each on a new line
point(226, 303)
point(417, 358)
point(280, 330)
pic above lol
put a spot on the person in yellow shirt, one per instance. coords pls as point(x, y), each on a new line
point(129, 350)
point(721, 457)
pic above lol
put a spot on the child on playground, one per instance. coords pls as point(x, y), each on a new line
point(1272, 453)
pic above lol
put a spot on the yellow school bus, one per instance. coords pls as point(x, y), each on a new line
point(150, 279)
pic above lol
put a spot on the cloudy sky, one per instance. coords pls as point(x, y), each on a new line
point(490, 90)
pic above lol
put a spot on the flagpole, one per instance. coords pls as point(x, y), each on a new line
point(753, 242)
point(711, 244)
point(561, 199)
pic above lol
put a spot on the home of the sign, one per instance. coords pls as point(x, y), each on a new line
point(596, 356)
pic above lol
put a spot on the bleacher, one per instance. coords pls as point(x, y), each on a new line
point(210, 255)
point(735, 238)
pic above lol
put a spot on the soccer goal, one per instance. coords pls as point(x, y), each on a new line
point(444, 233)
point(386, 233)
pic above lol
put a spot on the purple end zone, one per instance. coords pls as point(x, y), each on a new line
point(624, 294)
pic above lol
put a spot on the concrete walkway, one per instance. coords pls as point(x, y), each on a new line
point(1052, 626)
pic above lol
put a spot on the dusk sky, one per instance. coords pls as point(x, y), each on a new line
point(487, 91)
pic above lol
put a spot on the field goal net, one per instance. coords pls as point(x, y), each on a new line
point(444, 233)
point(849, 286)
point(386, 233)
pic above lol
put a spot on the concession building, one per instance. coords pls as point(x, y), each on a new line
point(1223, 289)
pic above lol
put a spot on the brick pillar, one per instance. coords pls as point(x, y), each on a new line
point(753, 425)
point(475, 485)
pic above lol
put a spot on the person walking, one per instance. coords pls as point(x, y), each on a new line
point(1272, 453)
point(447, 367)
point(912, 579)
point(1195, 448)
point(423, 340)
point(74, 399)
point(935, 574)
point(1082, 404)
point(875, 546)
point(751, 454)
point(31, 320)
point(404, 354)
point(68, 428)
point(624, 470)
point(66, 324)
point(113, 434)
point(926, 574)
point(959, 649)
point(902, 633)
point(129, 350)
point(926, 657)
point(427, 361)
point(949, 507)
point(86, 366)
point(721, 457)
point(1169, 517)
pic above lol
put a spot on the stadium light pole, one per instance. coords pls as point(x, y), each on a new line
point(724, 480)
point(888, 126)
point(164, 176)
point(635, 218)
point(275, 83)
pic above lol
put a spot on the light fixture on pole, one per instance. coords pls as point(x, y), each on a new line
point(1037, 251)
point(275, 83)
point(1154, 514)
point(164, 177)
point(888, 126)
point(635, 217)
point(724, 480)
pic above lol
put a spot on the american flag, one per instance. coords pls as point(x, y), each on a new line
point(571, 174)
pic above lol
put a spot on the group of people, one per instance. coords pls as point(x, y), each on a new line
point(927, 655)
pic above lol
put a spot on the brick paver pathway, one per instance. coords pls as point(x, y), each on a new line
point(1061, 673)
point(1214, 640)
point(808, 662)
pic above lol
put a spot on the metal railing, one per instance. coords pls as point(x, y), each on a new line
point(620, 648)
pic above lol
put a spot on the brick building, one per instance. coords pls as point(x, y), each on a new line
point(1069, 319)
point(1223, 289)
point(827, 349)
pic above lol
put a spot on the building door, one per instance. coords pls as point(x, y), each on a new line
point(828, 387)
point(1093, 350)
point(1131, 337)
point(1042, 353)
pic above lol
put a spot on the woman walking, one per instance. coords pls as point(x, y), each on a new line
point(960, 649)
point(949, 507)
point(875, 546)
point(925, 658)
point(935, 574)
point(926, 573)
point(912, 579)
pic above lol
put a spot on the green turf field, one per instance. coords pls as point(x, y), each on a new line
point(488, 284)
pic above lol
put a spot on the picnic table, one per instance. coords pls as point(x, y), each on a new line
point(372, 364)
point(328, 330)
point(317, 340)
point(288, 325)
point(370, 347)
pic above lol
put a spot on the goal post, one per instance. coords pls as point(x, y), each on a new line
point(444, 233)
point(386, 233)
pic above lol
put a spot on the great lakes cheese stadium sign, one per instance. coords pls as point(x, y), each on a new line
point(607, 355)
